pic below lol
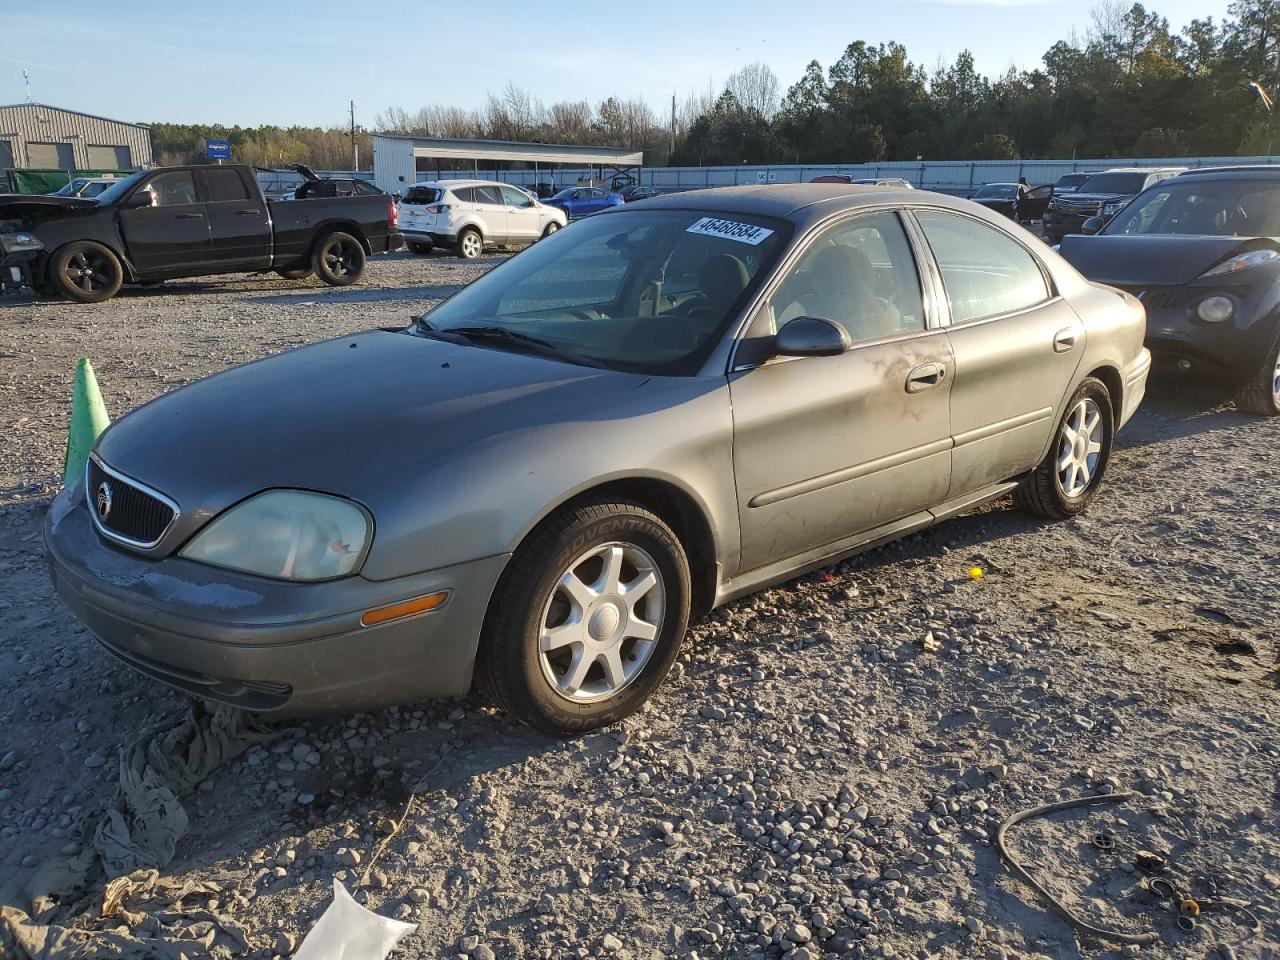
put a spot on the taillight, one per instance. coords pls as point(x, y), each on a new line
point(438, 208)
point(393, 214)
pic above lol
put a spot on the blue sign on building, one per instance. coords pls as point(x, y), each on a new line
point(218, 149)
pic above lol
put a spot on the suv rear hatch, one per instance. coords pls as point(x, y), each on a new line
point(419, 206)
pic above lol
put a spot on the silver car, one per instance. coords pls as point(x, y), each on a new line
point(534, 487)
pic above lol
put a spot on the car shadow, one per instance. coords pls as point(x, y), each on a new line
point(1176, 407)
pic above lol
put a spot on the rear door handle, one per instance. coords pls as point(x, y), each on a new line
point(1065, 339)
point(190, 216)
point(925, 377)
point(251, 212)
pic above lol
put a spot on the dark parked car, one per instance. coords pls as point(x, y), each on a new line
point(584, 201)
point(193, 221)
point(1201, 253)
point(1102, 195)
point(1003, 199)
point(897, 182)
point(542, 191)
point(532, 488)
point(1069, 183)
point(636, 192)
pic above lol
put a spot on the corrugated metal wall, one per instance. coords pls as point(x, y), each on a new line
point(27, 124)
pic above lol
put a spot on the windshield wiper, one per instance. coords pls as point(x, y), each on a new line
point(502, 336)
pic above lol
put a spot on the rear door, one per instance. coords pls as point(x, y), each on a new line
point(826, 448)
point(1017, 345)
point(171, 237)
point(238, 220)
point(523, 222)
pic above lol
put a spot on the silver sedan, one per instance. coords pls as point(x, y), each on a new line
point(535, 486)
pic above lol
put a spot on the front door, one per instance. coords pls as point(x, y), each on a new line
point(170, 237)
point(523, 223)
point(493, 212)
point(1017, 346)
point(238, 220)
point(829, 447)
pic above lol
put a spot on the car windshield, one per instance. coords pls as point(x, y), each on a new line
point(650, 291)
point(1205, 208)
point(94, 189)
point(1114, 183)
point(1070, 181)
point(996, 191)
point(70, 189)
point(120, 188)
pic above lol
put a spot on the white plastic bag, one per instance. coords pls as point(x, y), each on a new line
point(347, 931)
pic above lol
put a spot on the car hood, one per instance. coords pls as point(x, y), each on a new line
point(993, 201)
point(1154, 260)
point(28, 208)
point(339, 416)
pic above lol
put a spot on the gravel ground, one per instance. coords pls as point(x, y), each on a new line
point(822, 775)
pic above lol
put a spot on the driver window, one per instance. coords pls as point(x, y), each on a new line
point(514, 198)
point(860, 273)
point(173, 188)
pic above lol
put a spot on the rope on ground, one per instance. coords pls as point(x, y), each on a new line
point(1025, 876)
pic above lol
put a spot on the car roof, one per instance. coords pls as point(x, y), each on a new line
point(448, 184)
point(801, 203)
point(1244, 171)
point(1139, 170)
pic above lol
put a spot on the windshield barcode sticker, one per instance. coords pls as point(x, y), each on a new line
point(731, 230)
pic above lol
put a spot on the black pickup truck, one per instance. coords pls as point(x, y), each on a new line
point(193, 221)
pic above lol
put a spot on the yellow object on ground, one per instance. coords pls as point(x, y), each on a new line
point(88, 420)
point(975, 573)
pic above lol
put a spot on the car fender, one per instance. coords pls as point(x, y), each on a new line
point(99, 227)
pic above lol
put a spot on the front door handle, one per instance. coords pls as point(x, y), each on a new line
point(190, 216)
point(251, 212)
point(925, 377)
point(1065, 339)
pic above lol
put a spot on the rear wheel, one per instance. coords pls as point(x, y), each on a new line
point(470, 244)
point(1066, 481)
point(296, 273)
point(1261, 395)
point(338, 259)
point(588, 618)
point(420, 248)
point(86, 272)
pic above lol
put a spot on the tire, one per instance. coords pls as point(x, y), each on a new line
point(421, 249)
point(296, 273)
point(550, 228)
point(85, 272)
point(1261, 395)
point(1061, 493)
point(338, 259)
point(470, 244)
point(577, 545)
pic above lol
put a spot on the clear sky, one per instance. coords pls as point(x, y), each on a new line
point(286, 62)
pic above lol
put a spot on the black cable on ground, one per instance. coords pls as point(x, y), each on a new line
point(1024, 875)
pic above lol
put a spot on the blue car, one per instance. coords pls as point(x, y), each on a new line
point(579, 202)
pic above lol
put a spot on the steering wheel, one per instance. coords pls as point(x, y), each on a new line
point(702, 313)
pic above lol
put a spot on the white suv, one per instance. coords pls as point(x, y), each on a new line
point(470, 215)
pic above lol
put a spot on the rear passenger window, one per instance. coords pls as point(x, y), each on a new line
point(225, 186)
point(985, 272)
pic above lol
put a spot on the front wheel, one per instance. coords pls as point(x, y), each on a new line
point(587, 619)
point(551, 228)
point(1066, 481)
point(1261, 395)
point(470, 244)
point(338, 259)
point(420, 248)
point(86, 272)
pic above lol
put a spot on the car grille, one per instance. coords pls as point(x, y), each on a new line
point(1077, 208)
point(1165, 298)
point(133, 514)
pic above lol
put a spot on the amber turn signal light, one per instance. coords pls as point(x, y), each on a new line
point(406, 608)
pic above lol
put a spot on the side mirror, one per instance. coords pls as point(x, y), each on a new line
point(811, 337)
point(140, 198)
point(1092, 226)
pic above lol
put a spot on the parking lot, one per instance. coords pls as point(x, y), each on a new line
point(814, 775)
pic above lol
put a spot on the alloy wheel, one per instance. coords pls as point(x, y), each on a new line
point(1275, 381)
point(471, 246)
point(600, 626)
point(1080, 448)
point(88, 270)
point(340, 258)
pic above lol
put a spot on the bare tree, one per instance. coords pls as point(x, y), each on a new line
point(756, 86)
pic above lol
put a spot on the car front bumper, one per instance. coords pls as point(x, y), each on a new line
point(268, 645)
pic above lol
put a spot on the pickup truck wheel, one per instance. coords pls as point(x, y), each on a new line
point(338, 259)
point(587, 619)
point(297, 273)
point(470, 244)
point(86, 272)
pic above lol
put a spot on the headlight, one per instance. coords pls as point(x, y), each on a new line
point(19, 242)
point(1111, 208)
point(289, 534)
point(1215, 309)
point(1243, 261)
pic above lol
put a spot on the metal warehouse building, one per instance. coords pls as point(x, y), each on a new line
point(34, 136)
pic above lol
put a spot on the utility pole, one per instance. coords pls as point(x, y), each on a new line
point(355, 146)
point(27, 80)
point(673, 125)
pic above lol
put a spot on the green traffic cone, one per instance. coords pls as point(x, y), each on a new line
point(88, 420)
